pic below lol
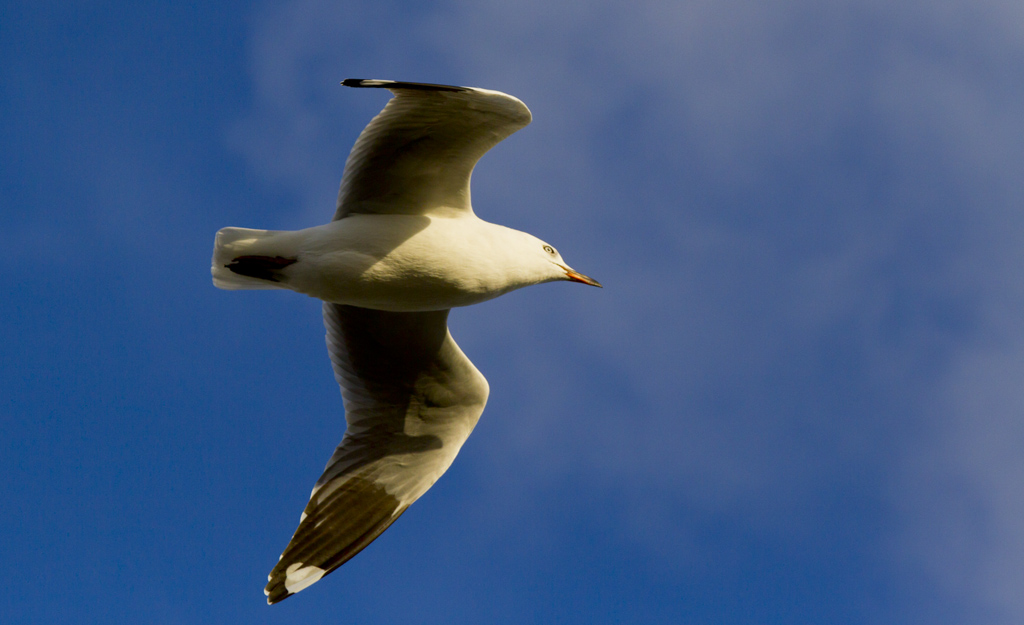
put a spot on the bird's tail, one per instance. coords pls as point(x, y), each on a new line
point(249, 259)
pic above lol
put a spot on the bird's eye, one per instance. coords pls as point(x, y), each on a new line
point(549, 249)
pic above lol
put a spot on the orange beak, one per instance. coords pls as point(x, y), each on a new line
point(576, 276)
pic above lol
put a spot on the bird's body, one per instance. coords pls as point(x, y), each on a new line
point(390, 262)
point(404, 247)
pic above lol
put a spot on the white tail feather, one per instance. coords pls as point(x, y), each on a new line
point(234, 242)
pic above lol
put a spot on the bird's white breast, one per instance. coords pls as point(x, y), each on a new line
point(403, 262)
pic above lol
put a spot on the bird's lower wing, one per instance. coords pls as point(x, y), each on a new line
point(411, 400)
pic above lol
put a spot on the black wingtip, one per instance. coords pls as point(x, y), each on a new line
point(397, 84)
point(277, 595)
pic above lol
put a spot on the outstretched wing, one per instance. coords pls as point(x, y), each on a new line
point(411, 400)
point(417, 154)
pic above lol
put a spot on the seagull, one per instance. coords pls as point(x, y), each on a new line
point(403, 249)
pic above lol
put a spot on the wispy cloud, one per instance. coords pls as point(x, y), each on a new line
point(808, 219)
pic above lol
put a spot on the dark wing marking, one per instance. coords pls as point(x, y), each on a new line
point(397, 84)
point(411, 400)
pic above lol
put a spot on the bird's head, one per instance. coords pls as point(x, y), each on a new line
point(554, 266)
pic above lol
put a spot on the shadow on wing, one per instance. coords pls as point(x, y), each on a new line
point(411, 400)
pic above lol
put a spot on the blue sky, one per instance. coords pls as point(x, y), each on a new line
point(797, 400)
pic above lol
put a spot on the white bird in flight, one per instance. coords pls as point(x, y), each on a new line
point(403, 248)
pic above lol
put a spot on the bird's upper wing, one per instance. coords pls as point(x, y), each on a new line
point(411, 400)
point(418, 153)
